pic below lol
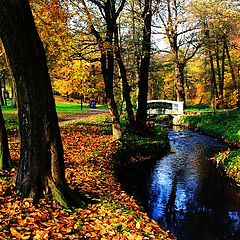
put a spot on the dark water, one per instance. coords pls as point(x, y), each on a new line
point(185, 193)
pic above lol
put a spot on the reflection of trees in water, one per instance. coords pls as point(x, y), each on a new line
point(186, 222)
point(185, 194)
point(170, 210)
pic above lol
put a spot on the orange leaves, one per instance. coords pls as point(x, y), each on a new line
point(112, 214)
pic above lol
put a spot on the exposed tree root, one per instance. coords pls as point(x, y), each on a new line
point(65, 196)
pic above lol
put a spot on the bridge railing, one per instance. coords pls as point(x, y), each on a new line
point(158, 107)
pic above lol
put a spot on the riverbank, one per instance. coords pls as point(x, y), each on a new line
point(110, 213)
point(224, 126)
point(134, 150)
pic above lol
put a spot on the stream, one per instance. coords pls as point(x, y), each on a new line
point(184, 191)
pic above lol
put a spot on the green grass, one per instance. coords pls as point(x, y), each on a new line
point(69, 107)
point(223, 125)
point(199, 108)
point(63, 108)
point(230, 160)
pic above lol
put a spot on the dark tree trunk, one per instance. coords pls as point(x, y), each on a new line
point(5, 159)
point(41, 159)
point(107, 61)
point(230, 65)
point(107, 71)
point(180, 82)
point(220, 71)
point(218, 63)
point(126, 88)
point(214, 89)
point(221, 83)
point(144, 67)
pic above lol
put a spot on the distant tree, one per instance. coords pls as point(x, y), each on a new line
point(181, 36)
point(41, 155)
point(218, 23)
point(5, 159)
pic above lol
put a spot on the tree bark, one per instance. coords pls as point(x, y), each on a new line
point(222, 80)
point(5, 159)
point(180, 82)
point(230, 65)
point(126, 88)
point(214, 89)
point(141, 117)
point(14, 95)
point(107, 61)
point(41, 155)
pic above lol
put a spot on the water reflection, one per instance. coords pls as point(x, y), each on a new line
point(188, 196)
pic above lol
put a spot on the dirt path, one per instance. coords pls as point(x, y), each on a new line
point(90, 112)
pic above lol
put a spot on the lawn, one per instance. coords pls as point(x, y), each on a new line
point(63, 109)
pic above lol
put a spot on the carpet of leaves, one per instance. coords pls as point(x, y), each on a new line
point(111, 214)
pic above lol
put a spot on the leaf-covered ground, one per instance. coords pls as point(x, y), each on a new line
point(111, 214)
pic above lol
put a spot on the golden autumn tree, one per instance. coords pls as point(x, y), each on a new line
point(218, 23)
point(70, 65)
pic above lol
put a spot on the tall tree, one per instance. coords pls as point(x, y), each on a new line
point(41, 155)
point(107, 9)
point(123, 73)
point(144, 67)
point(218, 23)
point(181, 37)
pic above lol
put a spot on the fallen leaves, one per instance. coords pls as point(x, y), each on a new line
point(113, 214)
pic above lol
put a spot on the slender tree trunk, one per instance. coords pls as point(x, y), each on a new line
point(141, 117)
point(180, 82)
point(4, 100)
point(218, 63)
point(126, 88)
point(14, 95)
point(41, 155)
point(5, 159)
point(214, 89)
point(107, 63)
point(221, 83)
point(230, 65)
point(107, 71)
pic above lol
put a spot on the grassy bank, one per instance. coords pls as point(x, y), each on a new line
point(134, 150)
point(225, 126)
point(110, 213)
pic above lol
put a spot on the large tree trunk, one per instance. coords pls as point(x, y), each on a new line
point(41, 159)
point(5, 159)
point(144, 67)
